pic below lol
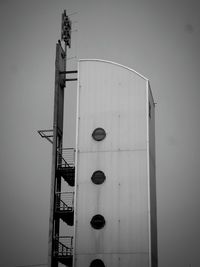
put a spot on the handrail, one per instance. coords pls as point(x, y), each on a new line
point(66, 157)
point(61, 249)
point(48, 134)
point(62, 159)
point(64, 206)
point(65, 201)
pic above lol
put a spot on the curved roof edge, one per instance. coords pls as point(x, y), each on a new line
point(114, 63)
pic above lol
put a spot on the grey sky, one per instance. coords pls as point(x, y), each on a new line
point(157, 38)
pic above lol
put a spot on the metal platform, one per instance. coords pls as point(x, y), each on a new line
point(63, 251)
point(64, 208)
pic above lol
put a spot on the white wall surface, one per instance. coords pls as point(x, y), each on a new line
point(113, 97)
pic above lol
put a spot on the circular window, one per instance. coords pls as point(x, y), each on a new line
point(97, 221)
point(98, 177)
point(99, 134)
point(97, 263)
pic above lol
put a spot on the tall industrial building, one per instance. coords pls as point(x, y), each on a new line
point(115, 221)
point(111, 202)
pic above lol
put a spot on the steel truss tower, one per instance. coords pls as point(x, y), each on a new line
point(60, 248)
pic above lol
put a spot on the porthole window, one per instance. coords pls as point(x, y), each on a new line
point(99, 134)
point(97, 263)
point(97, 221)
point(98, 177)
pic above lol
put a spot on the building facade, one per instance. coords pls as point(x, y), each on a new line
point(115, 183)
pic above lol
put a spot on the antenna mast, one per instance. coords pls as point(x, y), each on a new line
point(60, 248)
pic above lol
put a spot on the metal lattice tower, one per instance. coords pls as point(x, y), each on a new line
point(60, 248)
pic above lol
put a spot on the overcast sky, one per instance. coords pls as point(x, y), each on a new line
point(158, 38)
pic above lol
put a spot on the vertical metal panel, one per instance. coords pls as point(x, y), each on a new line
point(152, 170)
point(121, 199)
point(61, 84)
point(112, 97)
point(57, 143)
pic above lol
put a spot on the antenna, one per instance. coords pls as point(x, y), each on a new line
point(66, 26)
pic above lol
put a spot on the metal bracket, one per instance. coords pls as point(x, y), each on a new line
point(47, 134)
